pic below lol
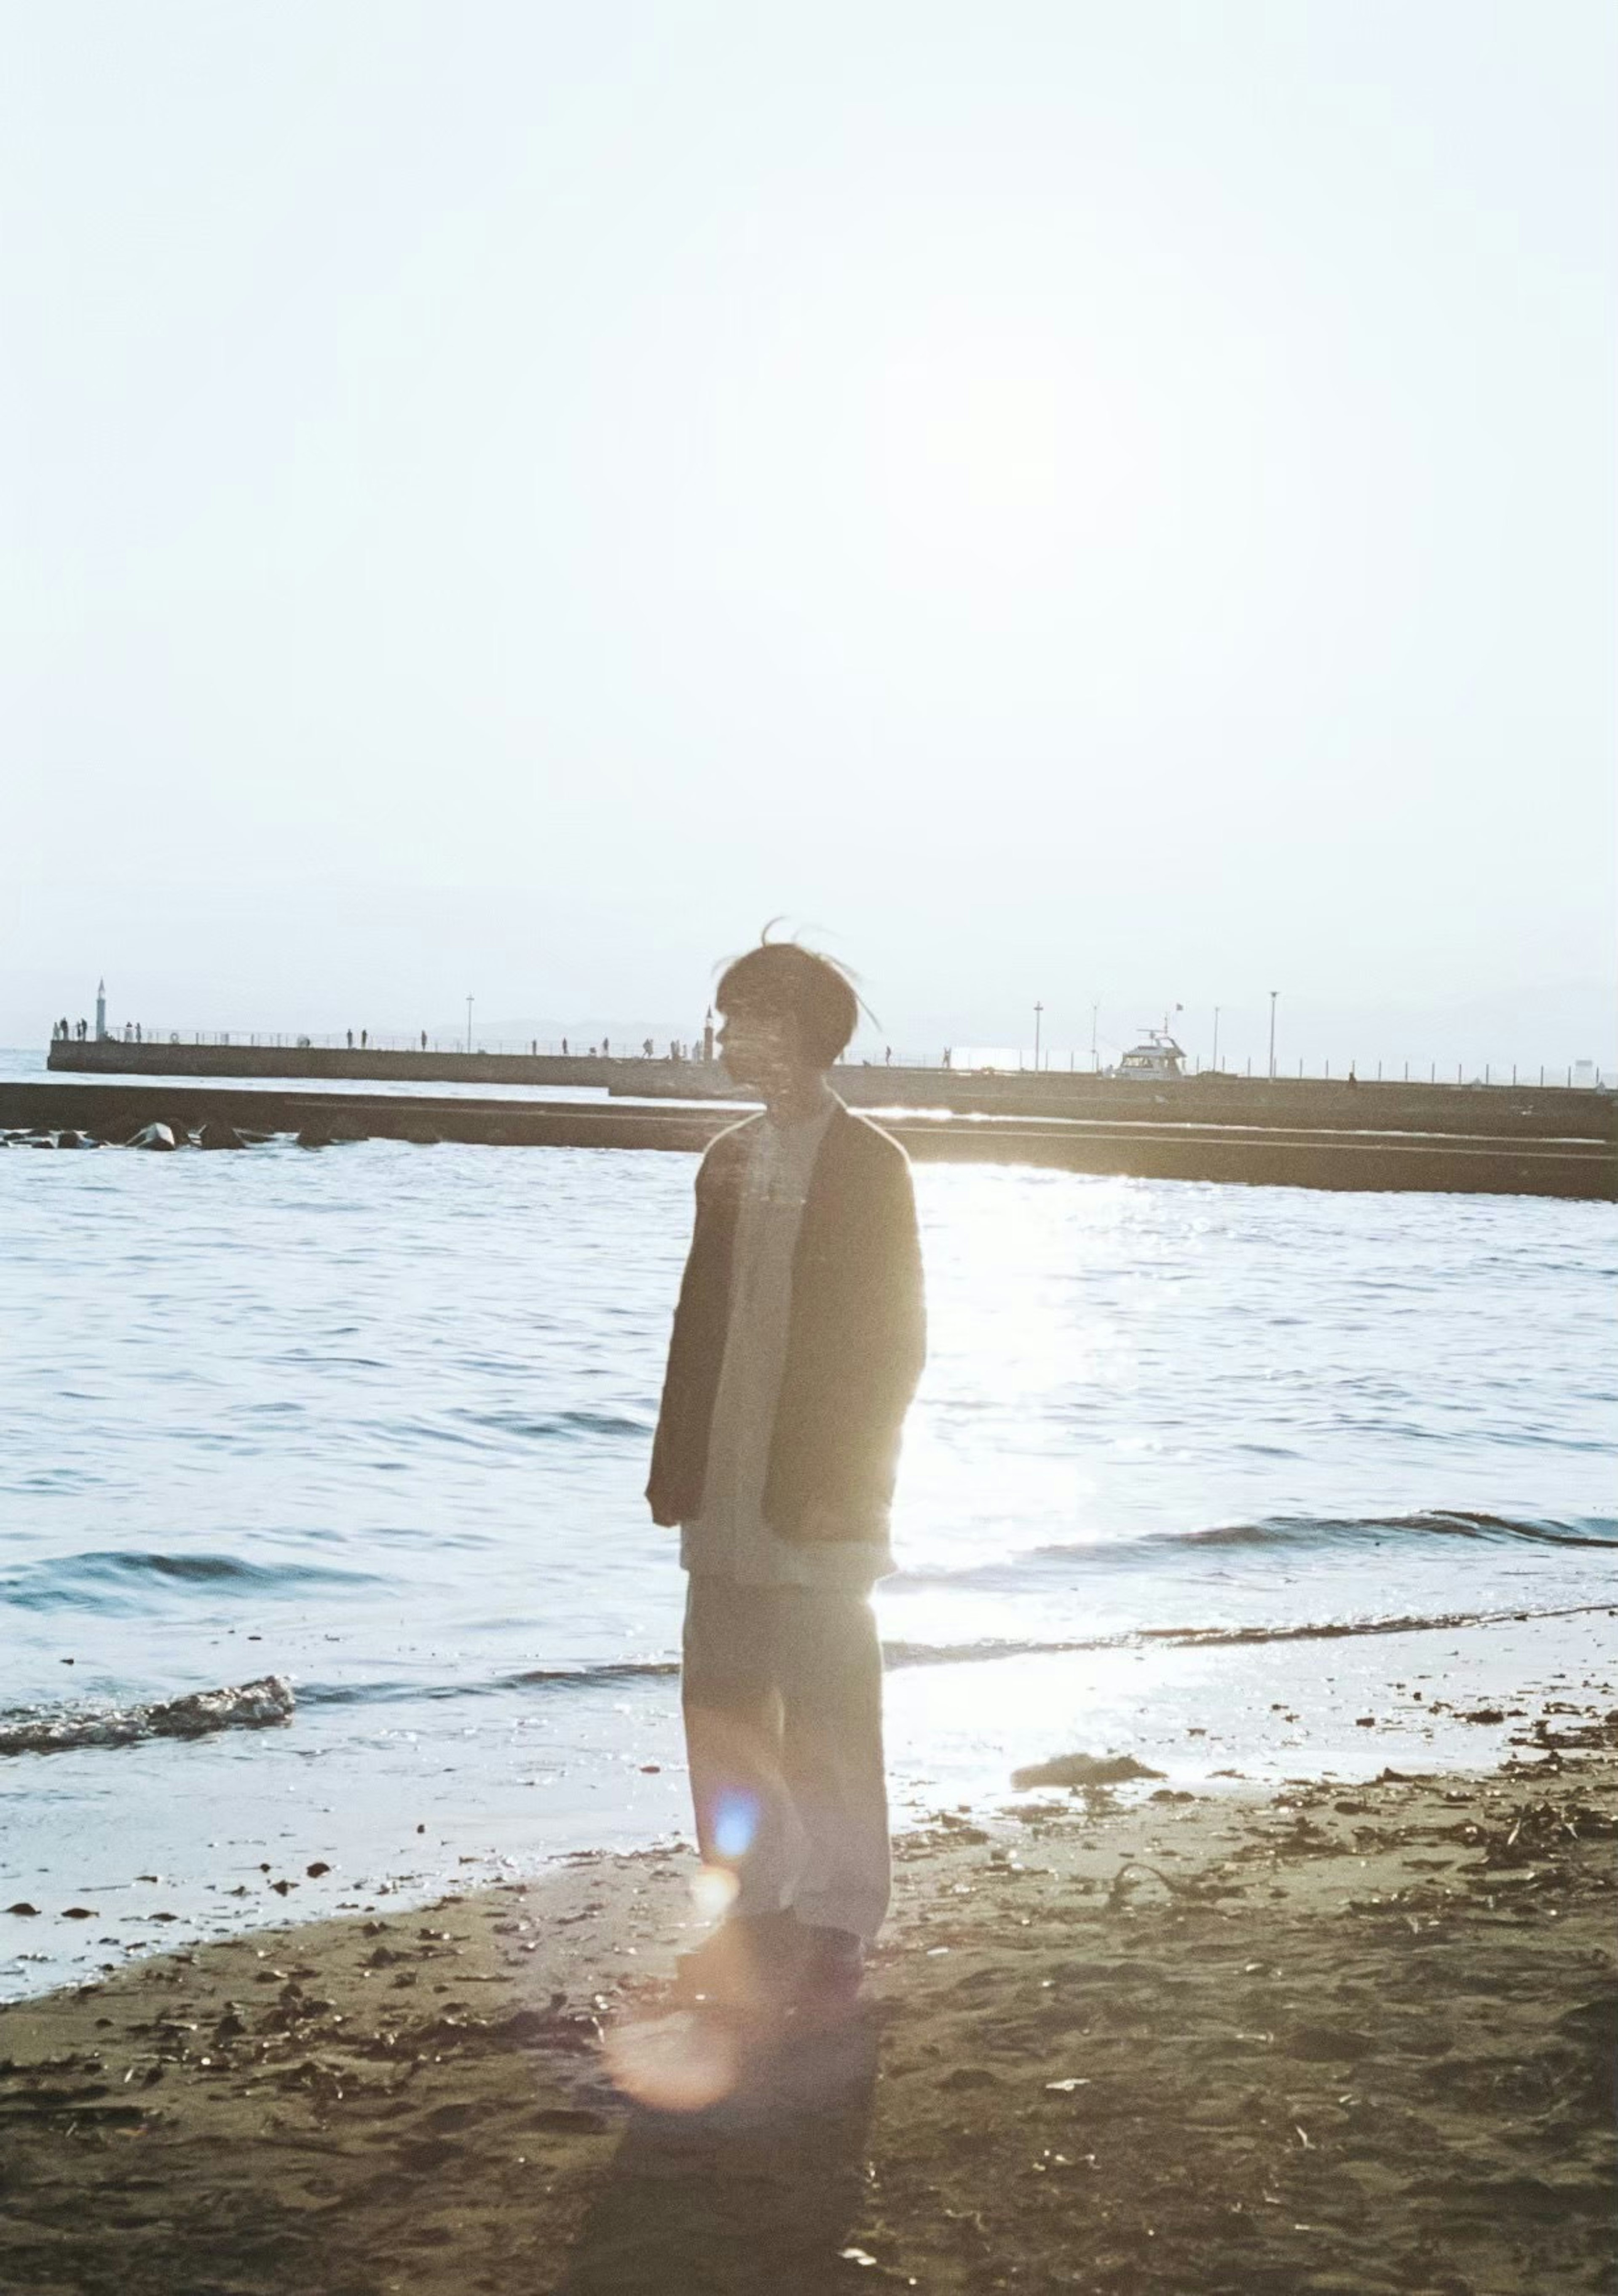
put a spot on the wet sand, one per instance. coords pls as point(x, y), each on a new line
point(1345, 2038)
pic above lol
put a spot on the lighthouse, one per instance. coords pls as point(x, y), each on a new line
point(100, 1009)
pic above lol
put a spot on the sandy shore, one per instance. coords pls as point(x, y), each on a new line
point(1352, 2040)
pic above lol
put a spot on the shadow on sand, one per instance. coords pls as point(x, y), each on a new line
point(756, 2191)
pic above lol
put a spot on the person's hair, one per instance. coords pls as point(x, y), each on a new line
point(783, 976)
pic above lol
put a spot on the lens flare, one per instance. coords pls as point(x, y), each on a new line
point(672, 2065)
point(735, 1822)
point(713, 1892)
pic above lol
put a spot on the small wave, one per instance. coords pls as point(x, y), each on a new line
point(1228, 1637)
point(537, 1677)
point(118, 1581)
point(547, 1425)
point(901, 1654)
point(58, 1730)
point(1161, 1549)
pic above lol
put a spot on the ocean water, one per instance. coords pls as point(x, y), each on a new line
point(1205, 1473)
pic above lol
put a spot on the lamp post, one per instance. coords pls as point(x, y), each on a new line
point(469, 1024)
point(1095, 1048)
point(1039, 1010)
point(1273, 994)
point(1216, 1039)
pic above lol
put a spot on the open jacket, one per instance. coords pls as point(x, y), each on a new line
point(856, 1341)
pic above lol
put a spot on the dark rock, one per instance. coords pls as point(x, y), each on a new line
point(219, 1136)
point(1083, 1770)
point(71, 1139)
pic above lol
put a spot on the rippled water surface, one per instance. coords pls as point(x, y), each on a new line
point(377, 1418)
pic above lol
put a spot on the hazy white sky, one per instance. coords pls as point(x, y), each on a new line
point(1072, 501)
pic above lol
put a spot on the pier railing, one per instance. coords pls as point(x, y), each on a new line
point(1573, 1076)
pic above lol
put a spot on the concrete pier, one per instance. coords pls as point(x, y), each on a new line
point(1527, 1111)
point(1271, 1155)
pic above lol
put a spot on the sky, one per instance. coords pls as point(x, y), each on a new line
point(1071, 504)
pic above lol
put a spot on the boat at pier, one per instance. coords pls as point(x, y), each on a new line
point(1156, 1058)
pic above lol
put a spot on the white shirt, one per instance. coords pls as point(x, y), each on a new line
point(728, 1537)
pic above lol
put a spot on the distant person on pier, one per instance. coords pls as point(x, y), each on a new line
point(350, 1040)
point(798, 1342)
point(424, 1039)
point(363, 1040)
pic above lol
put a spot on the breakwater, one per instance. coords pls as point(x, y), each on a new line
point(1504, 1111)
point(1272, 1154)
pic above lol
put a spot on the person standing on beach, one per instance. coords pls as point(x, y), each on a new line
point(798, 1342)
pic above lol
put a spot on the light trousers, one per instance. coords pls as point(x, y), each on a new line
point(782, 1692)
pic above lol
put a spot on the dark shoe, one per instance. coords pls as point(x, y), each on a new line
point(831, 1966)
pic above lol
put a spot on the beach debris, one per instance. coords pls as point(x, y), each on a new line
point(566, 2032)
point(23, 1906)
point(248, 1705)
point(319, 1867)
point(1066, 2087)
point(1203, 1888)
point(1083, 1770)
point(1600, 1733)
